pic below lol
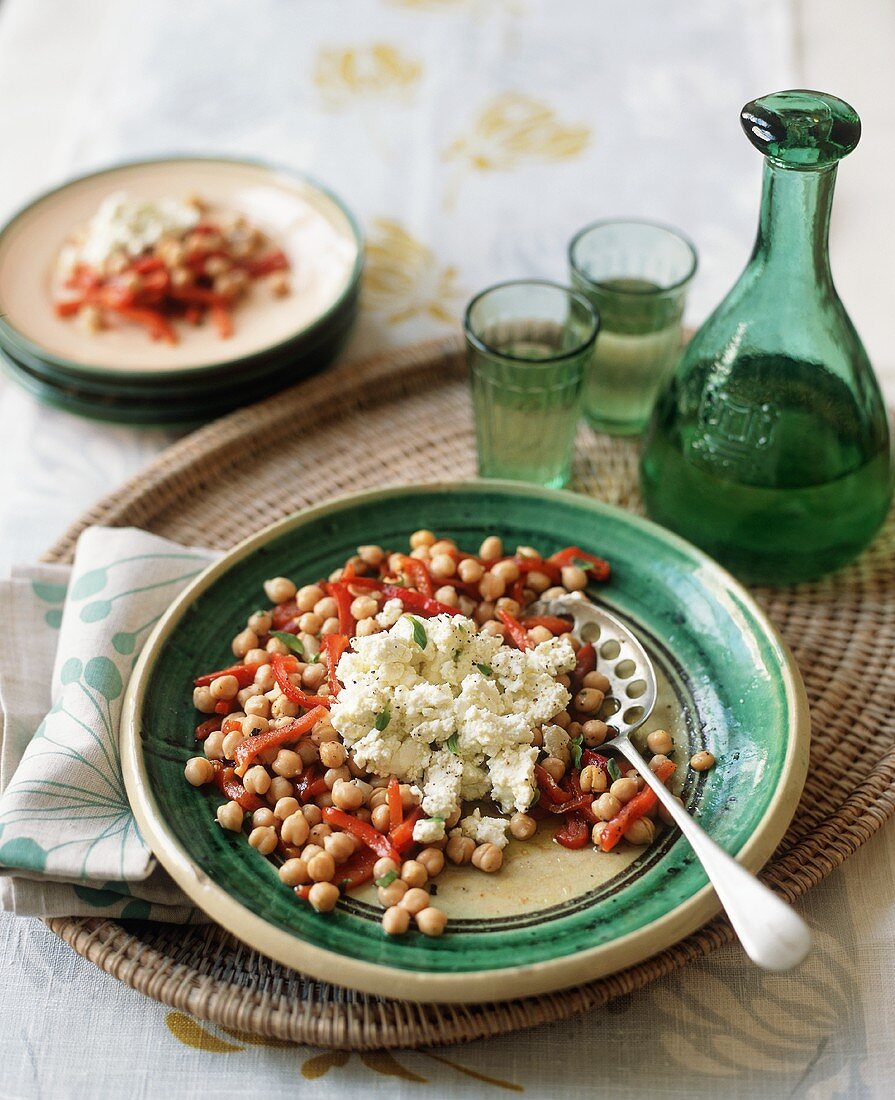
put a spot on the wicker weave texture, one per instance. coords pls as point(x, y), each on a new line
point(405, 417)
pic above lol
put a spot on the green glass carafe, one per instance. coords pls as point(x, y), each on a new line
point(769, 444)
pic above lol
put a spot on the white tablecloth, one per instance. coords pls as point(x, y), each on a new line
point(626, 108)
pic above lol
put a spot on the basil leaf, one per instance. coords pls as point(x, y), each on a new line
point(382, 719)
point(289, 640)
point(452, 744)
point(536, 799)
point(576, 748)
point(485, 670)
point(614, 773)
point(387, 879)
point(419, 632)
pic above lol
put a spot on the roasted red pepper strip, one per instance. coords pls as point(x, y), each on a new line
point(284, 614)
point(597, 567)
point(362, 831)
point(212, 725)
point(553, 623)
point(224, 706)
point(418, 574)
point(244, 674)
point(282, 664)
point(402, 837)
point(229, 786)
point(334, 645)
point(417, 602)
point(549, 788)
point(589, 758)
point(245, 753)
point(342, 596)
point(585, 662)
point(537, 565)
point(309, 784)
point(395, 805)
point(517, 632)
point(640, 804)
point(273, 261)
point(357, 869)
point(575, 833)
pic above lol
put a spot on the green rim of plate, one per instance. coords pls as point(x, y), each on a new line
point(744, 686)
point(11, 337)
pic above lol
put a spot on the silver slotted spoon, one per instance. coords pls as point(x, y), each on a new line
point(773, 935)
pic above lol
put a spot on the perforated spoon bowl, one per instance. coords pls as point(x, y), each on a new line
point(773, 935)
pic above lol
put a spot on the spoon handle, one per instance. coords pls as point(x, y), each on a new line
point(773, 935)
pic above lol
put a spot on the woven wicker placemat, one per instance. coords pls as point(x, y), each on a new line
point(402, 417)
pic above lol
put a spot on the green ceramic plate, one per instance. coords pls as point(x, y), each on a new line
point(551, 918)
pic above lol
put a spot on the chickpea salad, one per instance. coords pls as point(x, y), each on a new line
point(155, 265)
point(409, 712)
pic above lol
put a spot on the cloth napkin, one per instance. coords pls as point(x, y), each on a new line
point(69, 844)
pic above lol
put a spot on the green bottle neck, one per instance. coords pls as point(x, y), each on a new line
point(794, 224)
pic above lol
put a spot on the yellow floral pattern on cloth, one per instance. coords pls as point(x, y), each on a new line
point(200, 1037)
point(514, 129)
point(403, 278)
point(344, 75)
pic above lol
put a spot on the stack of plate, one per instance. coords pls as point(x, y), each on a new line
point(120, 374)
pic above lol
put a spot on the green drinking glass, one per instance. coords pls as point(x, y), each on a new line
point(769, 444)
point(636, 275)
point(528, 345)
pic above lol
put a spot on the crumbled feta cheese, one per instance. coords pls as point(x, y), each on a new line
point(126, 224)
point(438, 693)
point(392, 610)
point(485, 830)
point(428, 830)
point(556, 742)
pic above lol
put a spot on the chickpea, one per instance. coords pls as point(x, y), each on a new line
point(312, 814)
point(659, 741)
point(295, 829)
point(275, 646)
point(310, 851)
point(307, 596)
point(702, 761)
point(459, 849)
point(442, 566)
point(554, 593)
point(366, 627)
point(594, 732)
point(597, 681)
point(431, 921)
point(537, 738)
point(381, 817)
point(393, 893)
point(487, 857)
point(257, 706)
point(470, 570)
point(244, 641)
point(340, 846)
point(408, 798)
point(203, 700)
point(596, 834)
point(224, 687)
point(230, 816)
point(589, 700)
point(395, 921)
point(539, 634)
point(287, 763)
point(198, 771)
point(432, 859)
point(508, 571)
point(554, 767)
point(231, 742)
point(574, 578)
point(333, 754)
point(264, 677)
point(379, 797)
point(347, 795)
point(607, 806)
point(491, 587)
point(279, 788)
point(642, 831)
point(285, 807)
point(494, 630)
point(415, 900)
point(323, 896)
point(453, 817)
point(330, 626)
point(447, 595)
point(491, 549)
point(252, 724)
point(256, 657)
point(257, 780)
point(563, 719)
point(624, 789)
point(264, 838)
point(593, 779)
point(322, 867)
point(511, 607)
point(313, 676)
point(483, 612)
point(414, 873)
point(657, 761)
point(260, 622)
point(294, 872)
point(326, 608)
point(279, 589)
point(422, 538)
point(332, 776)
point(537, 581)
point(523, 827)
point(264, 816)
point(318, 833)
